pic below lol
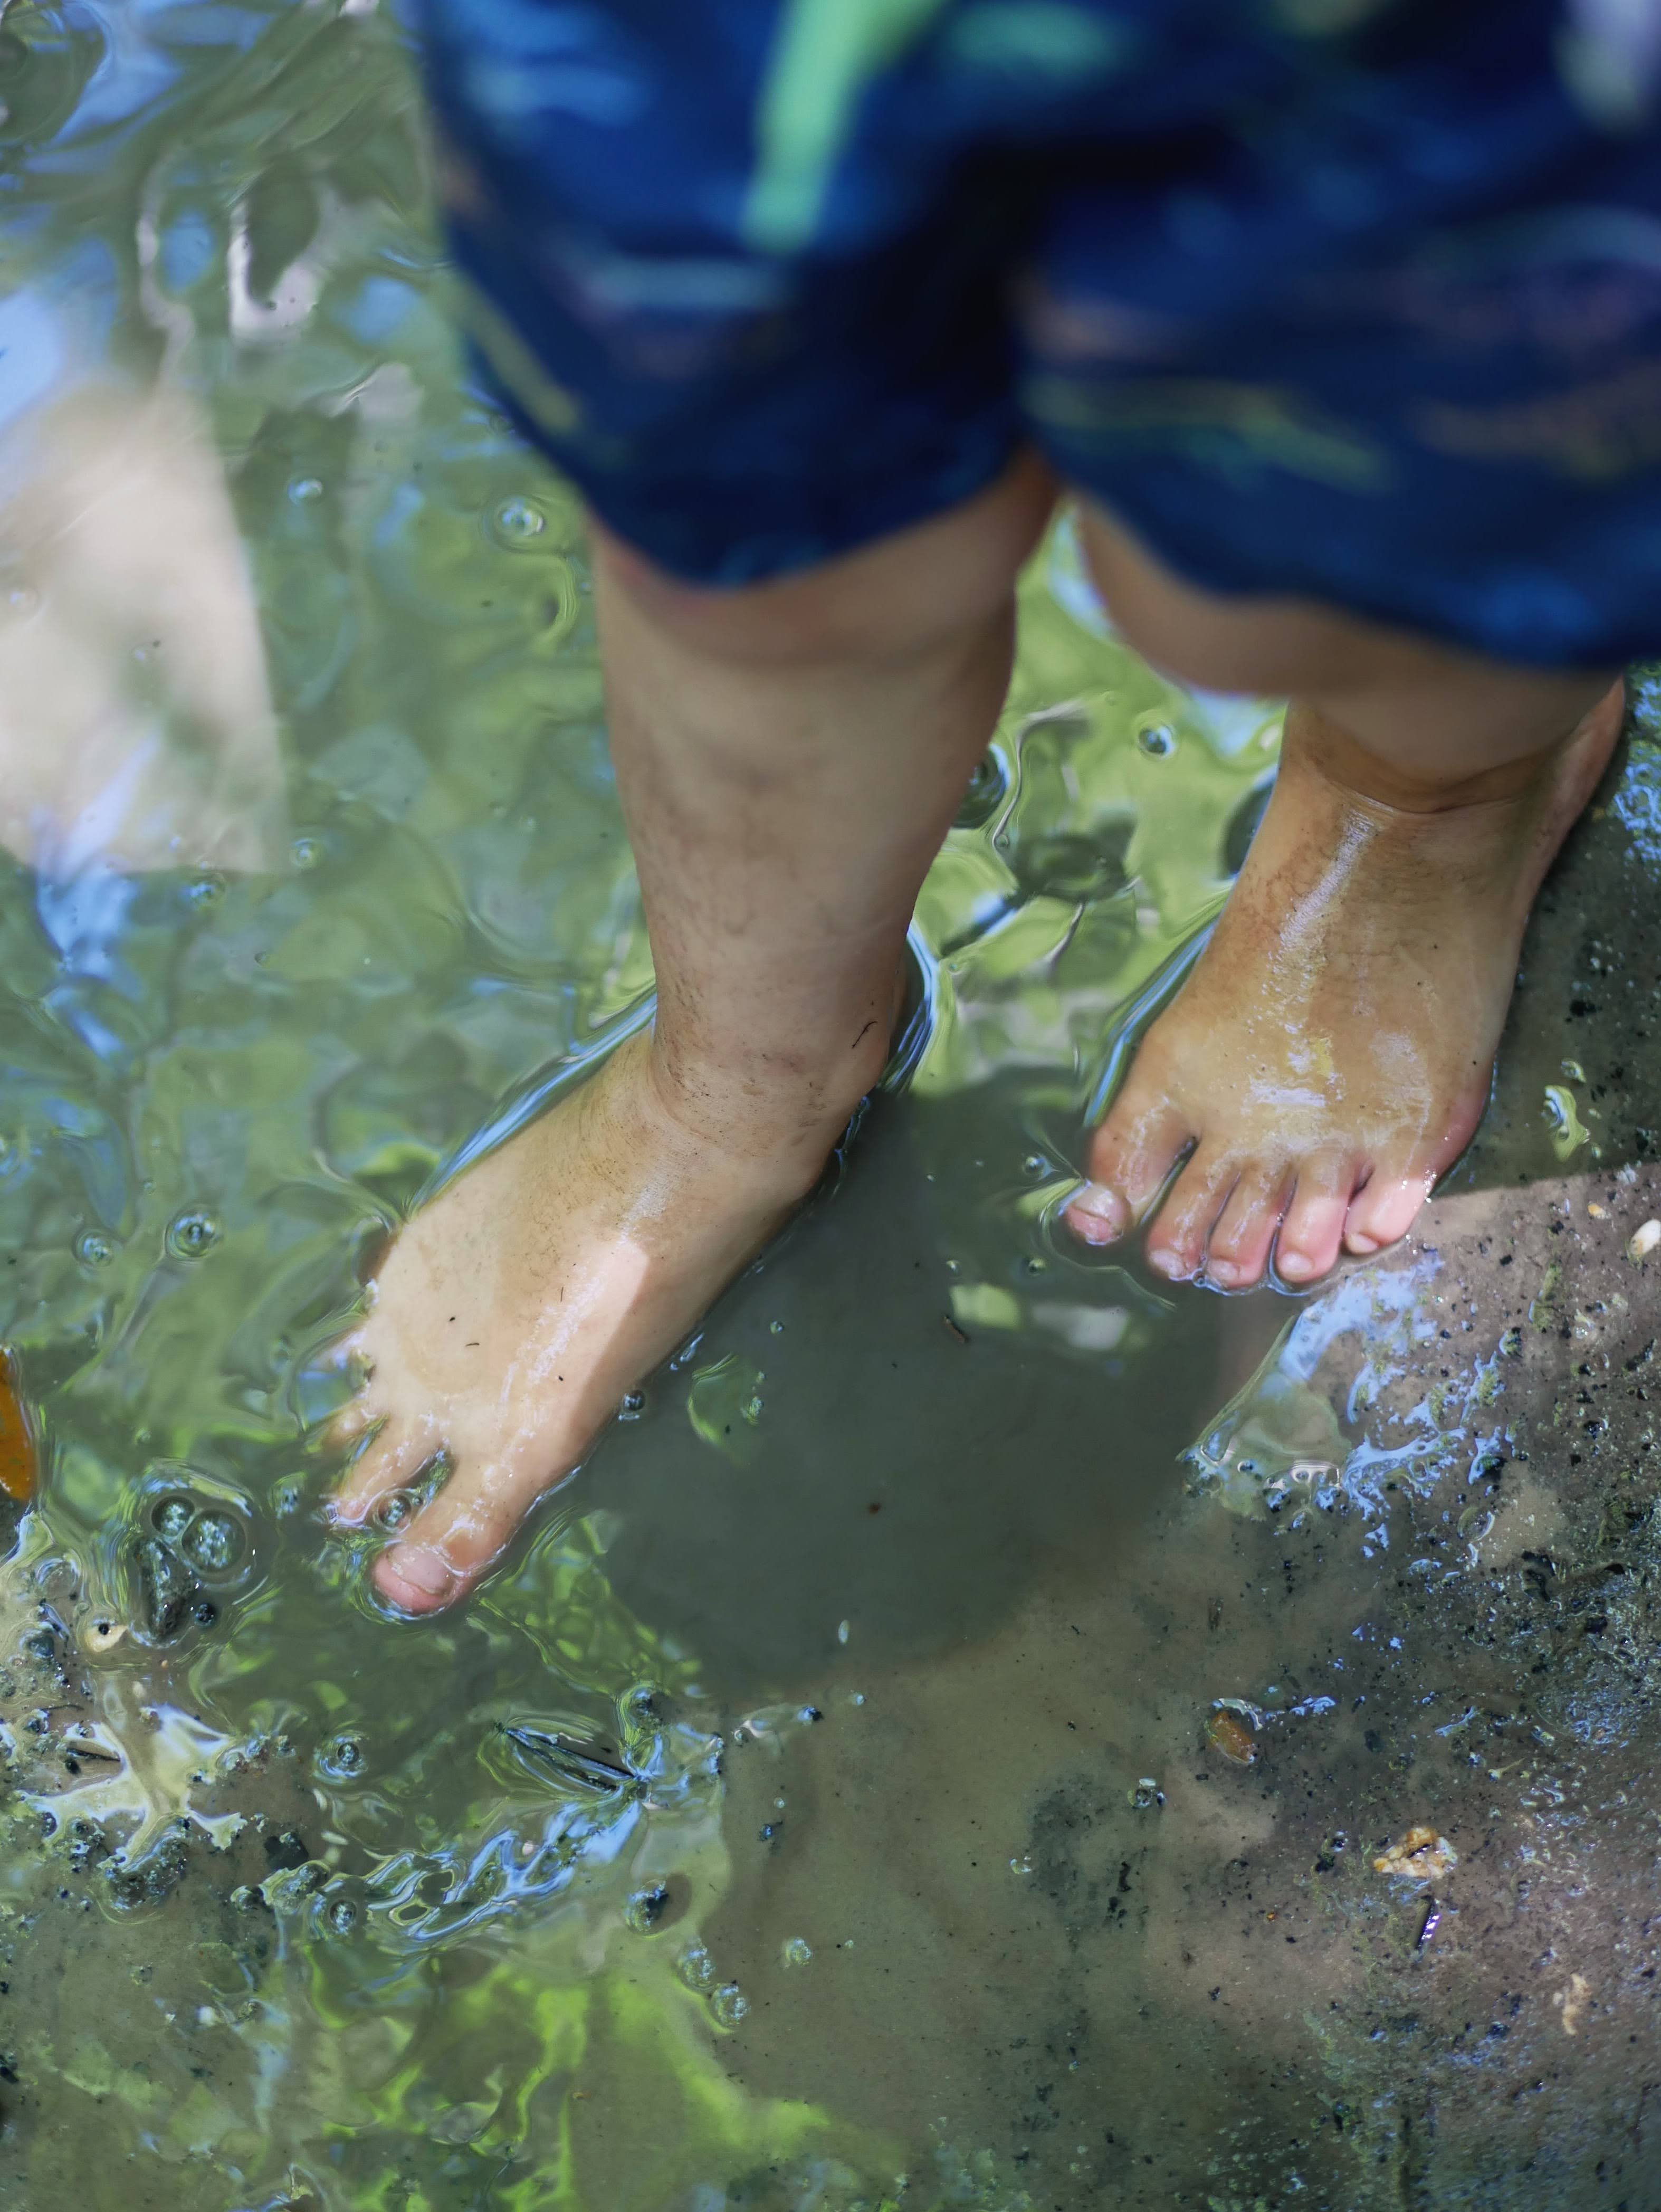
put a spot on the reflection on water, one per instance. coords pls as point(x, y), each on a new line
point(694, 1863)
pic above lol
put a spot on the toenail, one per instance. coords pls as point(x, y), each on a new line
point(1223, 1271)
point(1097, 1213)
point(420, 1566)
point(1361, 1244)
point(1167, 1263)
point(1295, 1263)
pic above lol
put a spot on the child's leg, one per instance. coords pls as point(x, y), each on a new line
point(1331, 1054)
point(789, 759)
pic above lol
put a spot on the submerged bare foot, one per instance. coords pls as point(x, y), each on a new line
point(1332, 1052)
point(512, 1315)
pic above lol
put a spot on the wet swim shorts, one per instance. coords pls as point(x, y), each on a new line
point(1358, 299)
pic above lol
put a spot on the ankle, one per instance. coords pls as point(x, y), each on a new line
point(786, 1109)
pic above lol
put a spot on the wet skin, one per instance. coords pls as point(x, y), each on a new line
point(1331, 1054)
point(789, 758)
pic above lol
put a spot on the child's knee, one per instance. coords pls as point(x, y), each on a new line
point(1269, 647)
point(901, 595)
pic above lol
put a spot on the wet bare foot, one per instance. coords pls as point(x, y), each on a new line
point(511, 1315)
point(1332, 1053)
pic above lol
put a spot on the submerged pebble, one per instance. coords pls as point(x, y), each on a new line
point(1422, 1855)
point(1230, 1734)
point(1643, 1241)
point(18, 1470)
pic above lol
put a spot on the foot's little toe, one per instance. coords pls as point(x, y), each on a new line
point(1240, 1242)
point(1384, 1212)
point(1177, 1243)
point(1307, 1246)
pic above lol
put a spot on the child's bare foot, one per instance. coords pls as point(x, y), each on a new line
point(512, 1313)
point(1332, 1053)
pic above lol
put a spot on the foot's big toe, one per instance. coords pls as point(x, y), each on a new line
point(1131, 1156)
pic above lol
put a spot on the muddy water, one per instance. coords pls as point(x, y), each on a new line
point(892, 1772)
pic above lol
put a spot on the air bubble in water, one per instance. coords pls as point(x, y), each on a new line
point(96, 1251)
point(344, 1756)
point(394, 1510)
point(517, 521)
point(172, 1517)
point(696, 1968)
point(343, 1916)
point(304, 490)
point(306, 852)
point(645, 1909)
point(1160, 740)
point(729, 2004)
point(190, 1235)
point(633, 1406)
point(212, 1543)
point(797, 1951)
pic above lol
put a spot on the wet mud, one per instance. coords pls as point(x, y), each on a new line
point(1419, 1552)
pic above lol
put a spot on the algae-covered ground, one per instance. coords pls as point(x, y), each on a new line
point(989, 1730)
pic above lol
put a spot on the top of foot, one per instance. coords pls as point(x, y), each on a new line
point(1332, 1052)
point(512, 1315)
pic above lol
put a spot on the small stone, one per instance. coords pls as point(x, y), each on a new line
point(1230, 1734)
point(1643, 1241)
point(1422, 1855)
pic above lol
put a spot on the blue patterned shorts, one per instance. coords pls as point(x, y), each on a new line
point(1357, 299)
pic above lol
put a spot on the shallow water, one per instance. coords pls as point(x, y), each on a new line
point(811, 1919)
